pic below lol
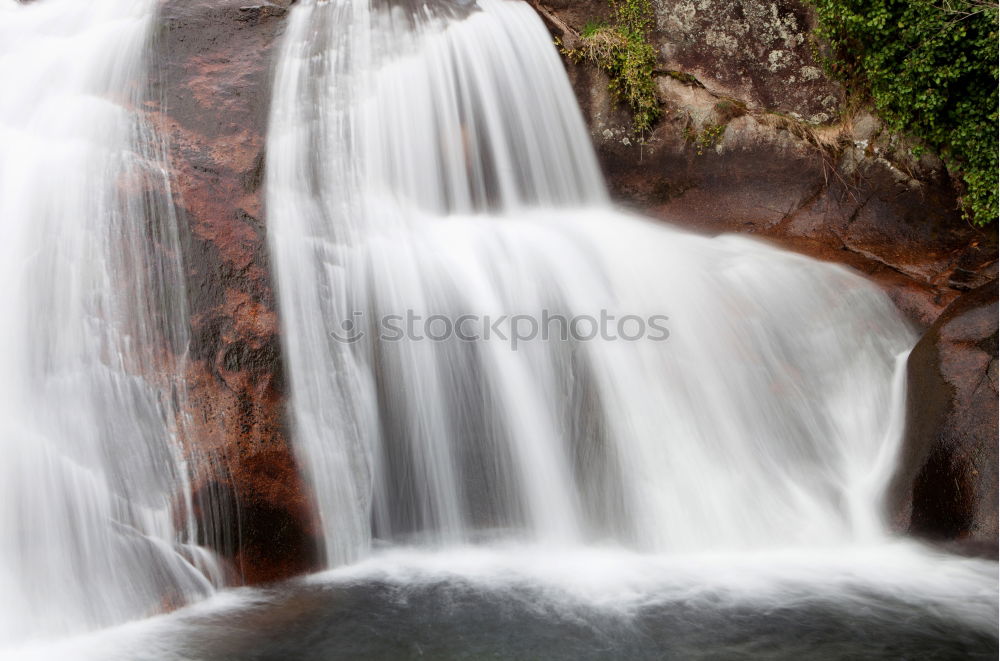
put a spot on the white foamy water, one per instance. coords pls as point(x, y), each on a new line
point(430, 159)
point(840, 602)
point(722, 472)
point(93, 308)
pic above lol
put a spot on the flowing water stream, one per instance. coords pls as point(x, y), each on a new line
point(735, 422)
point(93, 326)
point(431, 160)
point(535, 426)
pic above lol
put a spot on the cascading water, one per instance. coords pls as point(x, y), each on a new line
point(614, 439)
point(428, 158)
point(93, 332)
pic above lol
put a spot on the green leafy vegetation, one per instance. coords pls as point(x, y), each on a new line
point(623, 51)
point(707, 138)
point(930, 69)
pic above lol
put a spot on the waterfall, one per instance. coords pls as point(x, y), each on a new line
point(481, 347)
point(94, 525)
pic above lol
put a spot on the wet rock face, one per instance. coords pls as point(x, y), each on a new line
point(211, 91)
point(947, 486)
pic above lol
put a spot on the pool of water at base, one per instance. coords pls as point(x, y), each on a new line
point(898, 601)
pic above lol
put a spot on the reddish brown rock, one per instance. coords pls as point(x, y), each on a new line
point(210, 102)
point(947, 485)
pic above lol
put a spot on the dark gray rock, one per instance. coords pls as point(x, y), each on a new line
point(946, 488)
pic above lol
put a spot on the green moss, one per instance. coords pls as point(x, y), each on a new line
point(707, 138)
point(685, 77)
point(592, 28)
point(623, 51)
point(930, 70)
